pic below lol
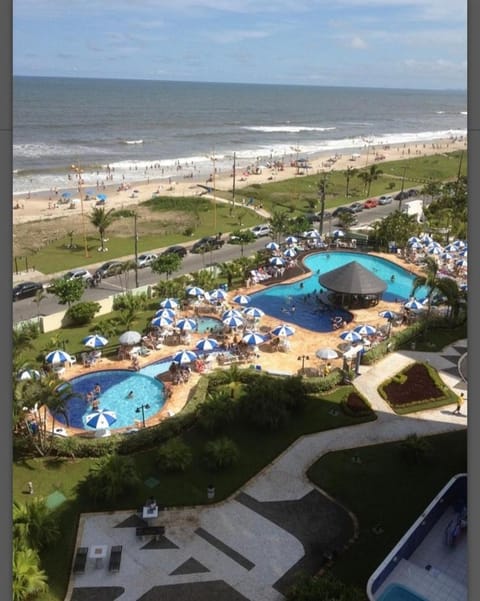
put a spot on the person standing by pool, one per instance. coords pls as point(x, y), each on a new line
point(460, 401)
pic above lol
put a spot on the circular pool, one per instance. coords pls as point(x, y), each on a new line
point(208, 324)
point(115, 387)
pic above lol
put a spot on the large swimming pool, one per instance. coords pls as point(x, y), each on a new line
point(115, 386)
point(279, 300)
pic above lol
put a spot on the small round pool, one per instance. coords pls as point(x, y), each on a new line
point(208, 324)
point(398, 592)
point(115, 386)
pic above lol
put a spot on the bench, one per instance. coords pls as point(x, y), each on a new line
point(150, 530)
point(115, 558)
point(80, 560)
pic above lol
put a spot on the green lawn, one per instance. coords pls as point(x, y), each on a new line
point(385, 490)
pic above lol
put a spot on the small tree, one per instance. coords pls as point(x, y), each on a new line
point(220, 454)
point(167, 264)
point(82, 313)
point(68, 291)
point(174, 456)
point(102, 220)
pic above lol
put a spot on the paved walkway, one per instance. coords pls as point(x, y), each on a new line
point(247, 547)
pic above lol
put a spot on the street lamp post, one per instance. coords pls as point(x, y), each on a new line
point(213, 158)
point(141, 409)
point(403, 186)
point(78, 173)
point(303, 358)
point(135, 247)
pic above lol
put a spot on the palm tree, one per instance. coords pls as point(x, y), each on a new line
point(110, 477)
point(229, 271)
point(28, 579)
point(102, 220)
point(40, 295)
point(34, 524)
point(279, 224)
point(374, 173)
point(349, 173)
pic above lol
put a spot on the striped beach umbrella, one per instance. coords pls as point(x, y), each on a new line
point(232, 313)
point(290, 252)
point(414, 305)
point(283, 330)
point(233, 322)
point(169, 303)
point(277, 261)
point(253, 312)
point(186, 324)
point(195, 291)
point(29, 374)
point(350, 336)
point(291, 240)
point(312, 234)
point(338, 233)
point(461, 263)
point(389, 314)
point(168, 313)
point(161, 322)
point(95, 341)
point(57, 356)
point(242, 299)
point(365, 330)
point(185, 356)
point(207, 344)
point(253, 338)
point(101, 419)
point(272, 246)
point(217, 294)
point(413, 240)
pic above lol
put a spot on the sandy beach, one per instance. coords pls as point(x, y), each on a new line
point(47, 205)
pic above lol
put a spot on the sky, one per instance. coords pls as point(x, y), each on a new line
point(419, 44)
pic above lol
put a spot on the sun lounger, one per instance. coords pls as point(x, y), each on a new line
point(115, 558)
point(80, 560)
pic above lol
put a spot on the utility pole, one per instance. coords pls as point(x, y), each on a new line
point(233, 186)
point(401, 191)
point(322, 190)
point(135, 247)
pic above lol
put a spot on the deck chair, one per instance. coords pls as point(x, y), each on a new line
point(115, 558)
point(80, 560)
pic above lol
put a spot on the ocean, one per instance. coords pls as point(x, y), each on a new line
point(133, 130)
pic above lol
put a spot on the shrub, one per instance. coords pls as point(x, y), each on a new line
point(355, 405)
point(220, 454)
point(174, 456)
point(82, 313)
point(217, 412)
point(130, 302)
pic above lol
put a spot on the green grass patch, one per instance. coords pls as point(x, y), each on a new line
point(374, 489)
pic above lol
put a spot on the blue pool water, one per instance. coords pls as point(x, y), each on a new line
point(397, 592)
point(115, 385)
point(278, 300)
point(207, 324)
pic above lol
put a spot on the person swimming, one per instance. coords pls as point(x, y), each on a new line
point(130, 394)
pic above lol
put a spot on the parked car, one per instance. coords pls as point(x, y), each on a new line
point(413, 192)
point(356, 207)
point(26, 289)
point(181, 251)
point(146, 259)
point(371, 203)
point(385, 200)
point(78, 274)
point(207, 243)
point(401, 195)
point(108, 269)
point(261, 230)
point(339, 210)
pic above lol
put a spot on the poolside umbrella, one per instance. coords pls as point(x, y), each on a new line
point(101, 419)
point(283, 330)
point(185, 356)
point(414, 305)
point(95, 341)
point(253, 312)
point(29, 374)
point(446, 256)
point(186, 324)
point(233, 322)
point(207, 344)
point(350, 336)
point(463, 253)
point(242, 299)
point(217, 294)
point(312, 234)
point(416, 246)
point(291, 240)
point(459, 244)
point(168, 313)
point(338, 233)
point(195, 291)
point(57, 356)
point(326, 353)
point(232, 313)
point(277, 261)
point(461, 263)
point(388, 314)
point(290, 252)
point(130, 338)
point(169, 303)
point(161, 322)
point(413, 240)
point(272, 246)
point(365, 330)
point(253, 338)
point(434, 250)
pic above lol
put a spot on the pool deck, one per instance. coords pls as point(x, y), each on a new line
point(246, 547)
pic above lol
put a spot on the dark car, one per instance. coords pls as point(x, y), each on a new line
point(26, 289)
point(108, 269)
point(413, 192)
point(339, 210)
point(401, 196)
point(207, 243)
point(181, 251)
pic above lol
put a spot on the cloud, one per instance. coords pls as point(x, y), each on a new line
point(358, 43)
point(234, 36)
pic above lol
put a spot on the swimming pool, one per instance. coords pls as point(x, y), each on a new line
point(208, 324)
point(278, 300)
point(398, 592)
point(115, 385)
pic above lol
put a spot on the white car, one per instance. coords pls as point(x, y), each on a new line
point(146, 259)
point(385, 200)
point(78, 274)
point(261, 230)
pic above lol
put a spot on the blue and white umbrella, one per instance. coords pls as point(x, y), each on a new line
point(169, 303)
point(365, 330)
point(413, 240)
point(426, 239)
point(217, 294)
point(29, 374)
point(351, 336)
point(414, 305)
point(338, 233)
point(233, 322)
point(463, 253)
point(446, 256)
point(459, 244)
point(101, 419)
point(66, 194)
point(57, 356)
point(434, 250)
point(102, 197)
point(290, 252)
point(254, 312)
point(207, 344)
point(388, 314)
point(95, 341)
point(283, 330)
point(312, 234)
point(272, 246)
point(242, 299)
point(253, 338)
point(277, 261)
point(291, 240)
point(231, 313)
point(161, 322)
point(184, 356)
point(461, 263)
point(416, 245)
point(195, 291)
point(186, 324)
point(168, 313)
